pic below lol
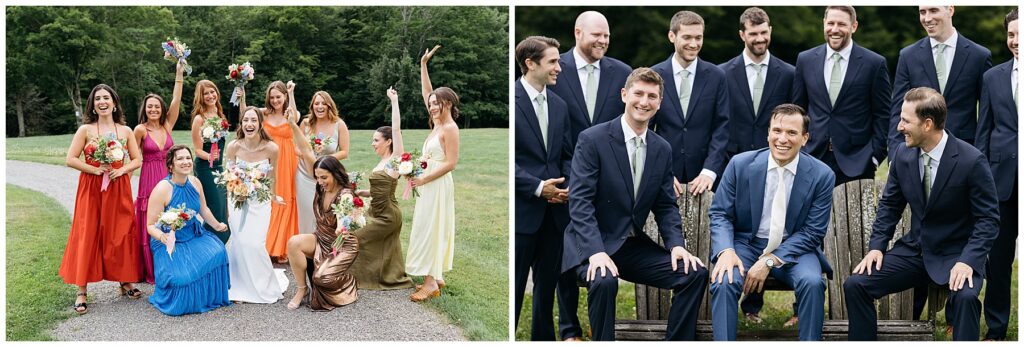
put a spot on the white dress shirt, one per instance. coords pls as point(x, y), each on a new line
point(936, 154)
point(581, 70)
point(843, 63)
point(1013, 80)
point(676, 68)
point(752, 72)
point(771, 182)
point(948, 54)
point(532, 94)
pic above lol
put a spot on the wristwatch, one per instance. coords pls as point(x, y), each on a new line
point(770, 262)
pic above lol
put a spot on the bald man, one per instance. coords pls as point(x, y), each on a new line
point(589, 83)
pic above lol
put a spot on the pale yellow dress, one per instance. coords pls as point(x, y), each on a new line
point(432, 240)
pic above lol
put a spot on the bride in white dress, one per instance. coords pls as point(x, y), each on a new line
point(253, 277)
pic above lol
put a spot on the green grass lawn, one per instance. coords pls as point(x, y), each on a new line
point(476, 296)
point(37, 230)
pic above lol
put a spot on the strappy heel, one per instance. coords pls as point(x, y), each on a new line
point(133, 293)
point(295, 305)
point(81, 307)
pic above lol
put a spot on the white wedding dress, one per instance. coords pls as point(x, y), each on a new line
point(253, 277)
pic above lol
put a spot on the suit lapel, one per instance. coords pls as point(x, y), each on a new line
point(959, 59)
point(755, 181)
point(818, 75)
point(739, 77)
point(946, 166)
point(603, 87)
point(573, 77)
point(555, 132)
point(770, 80)
point(852, 69)
point(928, 64)
point(798, 193)
point(671, 92)
point(698, 87)
point(523, 101)
point(618, 145)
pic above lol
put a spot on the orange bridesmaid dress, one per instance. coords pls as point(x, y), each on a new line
point(284, 219)
point(103, 243)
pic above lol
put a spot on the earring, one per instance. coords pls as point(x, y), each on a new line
point(94, 111)
point(115, 109)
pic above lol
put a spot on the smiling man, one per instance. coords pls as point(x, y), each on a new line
point(621, 173)
point(770, 215)
point(845, 89)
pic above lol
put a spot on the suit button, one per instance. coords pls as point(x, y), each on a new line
point(682, 151)
point(684, 130)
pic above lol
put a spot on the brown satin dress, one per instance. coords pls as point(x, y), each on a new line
point(332, 285)
point(380, 264)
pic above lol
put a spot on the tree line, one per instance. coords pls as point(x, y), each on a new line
point(55, 55)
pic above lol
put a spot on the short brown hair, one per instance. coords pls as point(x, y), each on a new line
point(533, 48)
point(169, 161)
point(645, 74)
point(1012, 16)
point(684, 18)
point(928, 104)
point(848, 9)
point(792, 109)
point(755, 16)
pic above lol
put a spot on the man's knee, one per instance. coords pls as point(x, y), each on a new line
point(809, 282)
point(606, 284)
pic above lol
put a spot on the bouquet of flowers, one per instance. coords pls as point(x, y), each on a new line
point(173, 220)
point(244, 181)
point(349, 213)
point(353, 178)
point(405, 167)
point(176, 51)
point(240, 74)
point(213, 130)
point(107, 150)
point(319, 141)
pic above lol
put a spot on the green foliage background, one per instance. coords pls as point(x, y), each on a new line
point(55, 55)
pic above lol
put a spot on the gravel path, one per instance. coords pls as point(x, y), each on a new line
point(377, 315)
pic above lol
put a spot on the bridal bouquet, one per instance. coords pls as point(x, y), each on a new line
point(244, 181)
point(349, 214)
point(319, 141)
point(173, 220)
point(176, 51)
point(405, 167)
point(240, 74)
point(107, 150)
point(213, 130)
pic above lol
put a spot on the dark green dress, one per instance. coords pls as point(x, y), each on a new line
point(380, 264)
point(216, 196)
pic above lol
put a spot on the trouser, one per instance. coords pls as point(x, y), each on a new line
point(541, 252)
point(999, 269)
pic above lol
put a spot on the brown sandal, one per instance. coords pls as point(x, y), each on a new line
point(440, 285)
point(420, 295)
point(133, 293)
point(81, 307)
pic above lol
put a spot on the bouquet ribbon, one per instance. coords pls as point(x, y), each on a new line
point(234, 96)
point(214, 153)
point(106, 181)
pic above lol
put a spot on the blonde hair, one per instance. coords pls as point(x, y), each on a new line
point(198, 107)
point(332, 109)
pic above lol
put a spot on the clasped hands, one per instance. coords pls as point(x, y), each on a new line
point(602, 261)
point(552, 193)
point(958, 275)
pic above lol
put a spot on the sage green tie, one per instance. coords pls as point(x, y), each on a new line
point(591, 92)
point(940, 66)
point(927, 175)
point(639, 157)
point(684, 91)
point(758, 87)
point(542, 118)
point(835, 80)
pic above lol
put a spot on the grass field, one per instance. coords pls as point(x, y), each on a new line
point(476, 296)
point(37, 299)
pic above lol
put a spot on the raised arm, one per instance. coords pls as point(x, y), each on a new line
point(175, 108)
point(396, 123)
point(241, 98)
point(305, 151)
point(292, 112)
point(424, 76)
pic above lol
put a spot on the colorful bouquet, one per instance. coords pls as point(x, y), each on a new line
point(244, 181)
point(173, 219)
point(319, 141)
point(176, 51)
point(405, 167)
point(213, 130)
point(106, 150)
point(240, 74)
point(353, 179)
point(349, 215)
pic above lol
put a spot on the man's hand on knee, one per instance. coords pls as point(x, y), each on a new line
point(726, 261)
point(603, 262)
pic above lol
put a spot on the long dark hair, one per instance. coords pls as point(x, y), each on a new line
point(118, 113)
point(337, 170)
point(163, 109)
point(240, 134)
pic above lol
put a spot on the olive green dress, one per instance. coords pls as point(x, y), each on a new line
point(380, 264)
point(216, 196)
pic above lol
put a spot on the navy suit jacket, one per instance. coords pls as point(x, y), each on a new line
point(739, 202)
point(916, 68)
point(534, 163)
point(609, 98)
point(997, 127)
point(958, 222)
point(748, 130)
point(857, 125)
point(699, 140)
point(602, 206)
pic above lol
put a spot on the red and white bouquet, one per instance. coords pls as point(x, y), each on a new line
point(319, 142)
point(173, 219)
point(410, 169)
point(213, 130)
point(240, 74)
point(176, 51)
point(349, 213)
point(106, 150)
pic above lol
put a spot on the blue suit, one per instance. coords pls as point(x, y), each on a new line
point(735, 216)
point(748, 130)
point(916, 68)
point(604, 211)
point(539, 225)
point(698, 140)
point(957, 223)
point(609, 101)
point(997, 140)
point(856, 126)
